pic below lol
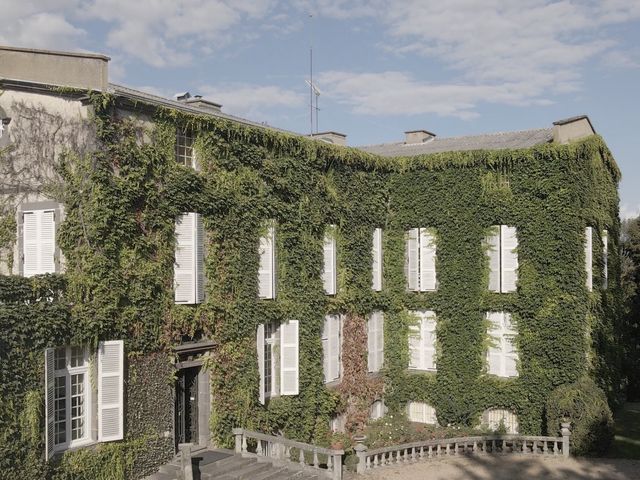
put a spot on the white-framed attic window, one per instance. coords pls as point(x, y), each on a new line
point(420, 266)
point(185, 153)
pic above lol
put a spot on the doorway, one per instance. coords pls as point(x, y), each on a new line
point(187, 406)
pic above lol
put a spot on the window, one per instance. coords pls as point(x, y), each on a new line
point(375, 341)
point(277, 346)
point(502, 356)
point(185, 154)
point(332, 348)
point(503, 259)
point(188, 273)
point(421, 413)
point(329, 274)
point(376, 266)
point(422, 341)
point(421, 260)
point(38, 242)
point(605, 259)
point(377, 410)
point(338, 424)
point(588, 256)
point(73, 418)
point(267, 268)
point(497, 419)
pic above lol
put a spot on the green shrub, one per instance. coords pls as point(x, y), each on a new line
point(585, 405)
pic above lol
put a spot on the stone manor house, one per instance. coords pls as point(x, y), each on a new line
point(455, 280)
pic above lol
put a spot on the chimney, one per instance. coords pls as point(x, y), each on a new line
point(182, 97)
point(198, 101)
point(574, 128)
point(335, 138)
point(418, 136)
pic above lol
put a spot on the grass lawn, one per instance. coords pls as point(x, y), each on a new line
point(626, 443)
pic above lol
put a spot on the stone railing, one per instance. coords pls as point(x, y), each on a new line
point(427, 449)
point(278, 450)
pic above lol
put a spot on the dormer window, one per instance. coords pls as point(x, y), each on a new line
point(184, 148)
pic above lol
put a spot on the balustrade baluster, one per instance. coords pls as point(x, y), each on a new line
point(455, 446)
point(535, 447)
point(367, 463)
point(316, 464)
point(330, 463)
point(430, 451)
point(301, 458)
point(555, 448)
point(259, 448)
point(244, 444)
point(544, 447)
point(421, 452)
point(376, 461)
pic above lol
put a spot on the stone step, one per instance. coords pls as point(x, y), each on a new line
point(225, 466)
point(249, 471)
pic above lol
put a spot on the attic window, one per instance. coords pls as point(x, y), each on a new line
point(184, 148)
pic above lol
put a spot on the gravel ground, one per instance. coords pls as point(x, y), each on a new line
point(511, 468)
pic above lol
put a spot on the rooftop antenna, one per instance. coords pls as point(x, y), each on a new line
point(316, 92)
point(310, 82)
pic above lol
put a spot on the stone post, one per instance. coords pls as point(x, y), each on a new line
point(186, 468)
point(566, 433)
point(361, 452)
point(337, 464)
point(238, 432)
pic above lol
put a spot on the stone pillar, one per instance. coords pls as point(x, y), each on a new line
point(566, 433)
point(186, 468)
point(238, 432)
point(361, 452)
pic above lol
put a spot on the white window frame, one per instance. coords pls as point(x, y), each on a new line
point(377, 258)
point(42, 257)
point(502, 335)
point(422, 338)
point(492, 417)
point(421, 412)
point(185, 152)
point(502, 249)
point(421, 259)
point(269, 344)
point(332, 348)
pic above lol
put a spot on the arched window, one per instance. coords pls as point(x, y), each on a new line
point(496, 418)
point(421, 413)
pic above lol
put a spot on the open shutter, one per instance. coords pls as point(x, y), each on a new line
point(605, 259)
point(199, 251)
point(427, 261)
point(260, 351)
point(331, 347)
point(376, 266)
point(411, 271)
point(415, 340)
point(375, 342)
point(588, 255)
point(494, 353)
point(47, 239)
point(266, 272)
point(289, 358)
point(509, 245)
point(510, 354)
point(329, 270)
point(185, 265)
point(49, 402)
point(110, 390)
point(428, 338)
point(30, 244)
point(493, 251)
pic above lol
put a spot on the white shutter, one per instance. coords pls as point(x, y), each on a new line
point(493, 251)
point(329, 270)
point(376, 266)
point(605, 259)
point(266, 272)
point(510, 354)
point(494, 354)
point(49, 402)
point(289, 358)
point(39, 241)
point(375, 341)
point(509, 244)
point(421, 413)
point(427, 261)
point(260, 351)
point(110, 390)
point(414, 346)
point(185, 259)
point(502, 356)
point(331, 345)
point(199, 261)
point(412, 265)
point(428, 336)
point(588, 255)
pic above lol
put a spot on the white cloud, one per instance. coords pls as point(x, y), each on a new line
point(629, 211)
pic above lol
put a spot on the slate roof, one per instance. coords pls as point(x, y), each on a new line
point(489, 141)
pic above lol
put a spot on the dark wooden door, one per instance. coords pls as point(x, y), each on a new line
point(187, 406)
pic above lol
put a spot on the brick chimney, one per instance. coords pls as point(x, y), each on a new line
point(418, 136)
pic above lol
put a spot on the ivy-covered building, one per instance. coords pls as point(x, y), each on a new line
point(170, 272)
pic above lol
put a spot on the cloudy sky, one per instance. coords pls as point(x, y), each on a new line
point(452, 67)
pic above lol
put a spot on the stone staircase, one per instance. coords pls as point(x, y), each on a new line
point(222, 464)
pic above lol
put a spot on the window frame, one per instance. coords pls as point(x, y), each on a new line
point(505, 335)
point(185, 153)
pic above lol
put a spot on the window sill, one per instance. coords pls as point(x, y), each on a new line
point(76, 446)
point(417, 371)
point(334, 383)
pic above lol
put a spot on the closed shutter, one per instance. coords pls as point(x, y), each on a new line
point(414, 346)
point(289, 358)
point(49, 402)
point(502, 355)
point(412, 261)
point(331, 343)
point(376, 266)
point(428, 341)
point(605, 259)
point(375, 342)
point(588, 256)
point(39, 242)
point(329, 270)
point(493, 251)
point(260, 351)
point(509, 245)
point(110, 390)
point(427, 261)
point(266, 272)
point(510, 354)
point(494, 354)
point(185, 259)
point(199, 259)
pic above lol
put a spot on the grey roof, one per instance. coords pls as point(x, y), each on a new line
point(489, 141)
